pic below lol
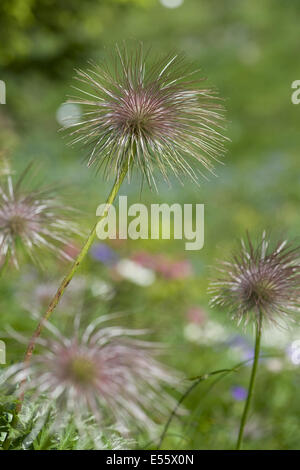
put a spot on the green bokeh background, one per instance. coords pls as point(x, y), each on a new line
point(250, 51)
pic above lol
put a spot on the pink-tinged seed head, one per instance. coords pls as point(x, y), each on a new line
point(148, 113)
point(260, 278)
point(105, 371)
point(34, 221)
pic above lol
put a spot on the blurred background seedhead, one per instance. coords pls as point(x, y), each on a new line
point(104, 371)
point(261, 278)
point(33, 221)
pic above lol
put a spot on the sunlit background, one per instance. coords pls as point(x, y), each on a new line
point(249, 50)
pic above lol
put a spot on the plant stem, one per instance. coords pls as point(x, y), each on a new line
point(66, 281)
point(251, 383)
point(5, 264)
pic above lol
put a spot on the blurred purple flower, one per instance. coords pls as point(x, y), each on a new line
point(102, 252)
point(240, 344)
point(239, 393)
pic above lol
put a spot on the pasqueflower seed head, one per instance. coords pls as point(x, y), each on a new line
point(105, 372)
point(148, 114)
point(32, 220)
point(260, 279)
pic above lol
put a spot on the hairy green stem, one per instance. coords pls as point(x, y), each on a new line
point(74, 267)
point(3, 268)
point(5, 264)
point(251, 383)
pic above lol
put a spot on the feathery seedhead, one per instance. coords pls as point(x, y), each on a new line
point(33, 220)
point(104, 371)
point(148, 116)
point(260, 279)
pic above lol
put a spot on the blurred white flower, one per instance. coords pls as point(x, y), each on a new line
point(274, 365)
point(211, 332)
point(102, 289)
point(171, 3)
point(134, 272)
point(277, 338)
point(293, 352)
point(68, 114)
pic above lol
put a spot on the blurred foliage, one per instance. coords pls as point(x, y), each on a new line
point(249, 50)
point(43, 33)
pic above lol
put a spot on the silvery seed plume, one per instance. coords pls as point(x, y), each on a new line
point(34, 221)
point(260, 278)
point(148, 114)
point(106, 372)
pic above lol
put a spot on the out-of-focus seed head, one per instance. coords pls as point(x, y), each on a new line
point(34, 221)
point(148, 114)
point(260, 278)
point(104, 371)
